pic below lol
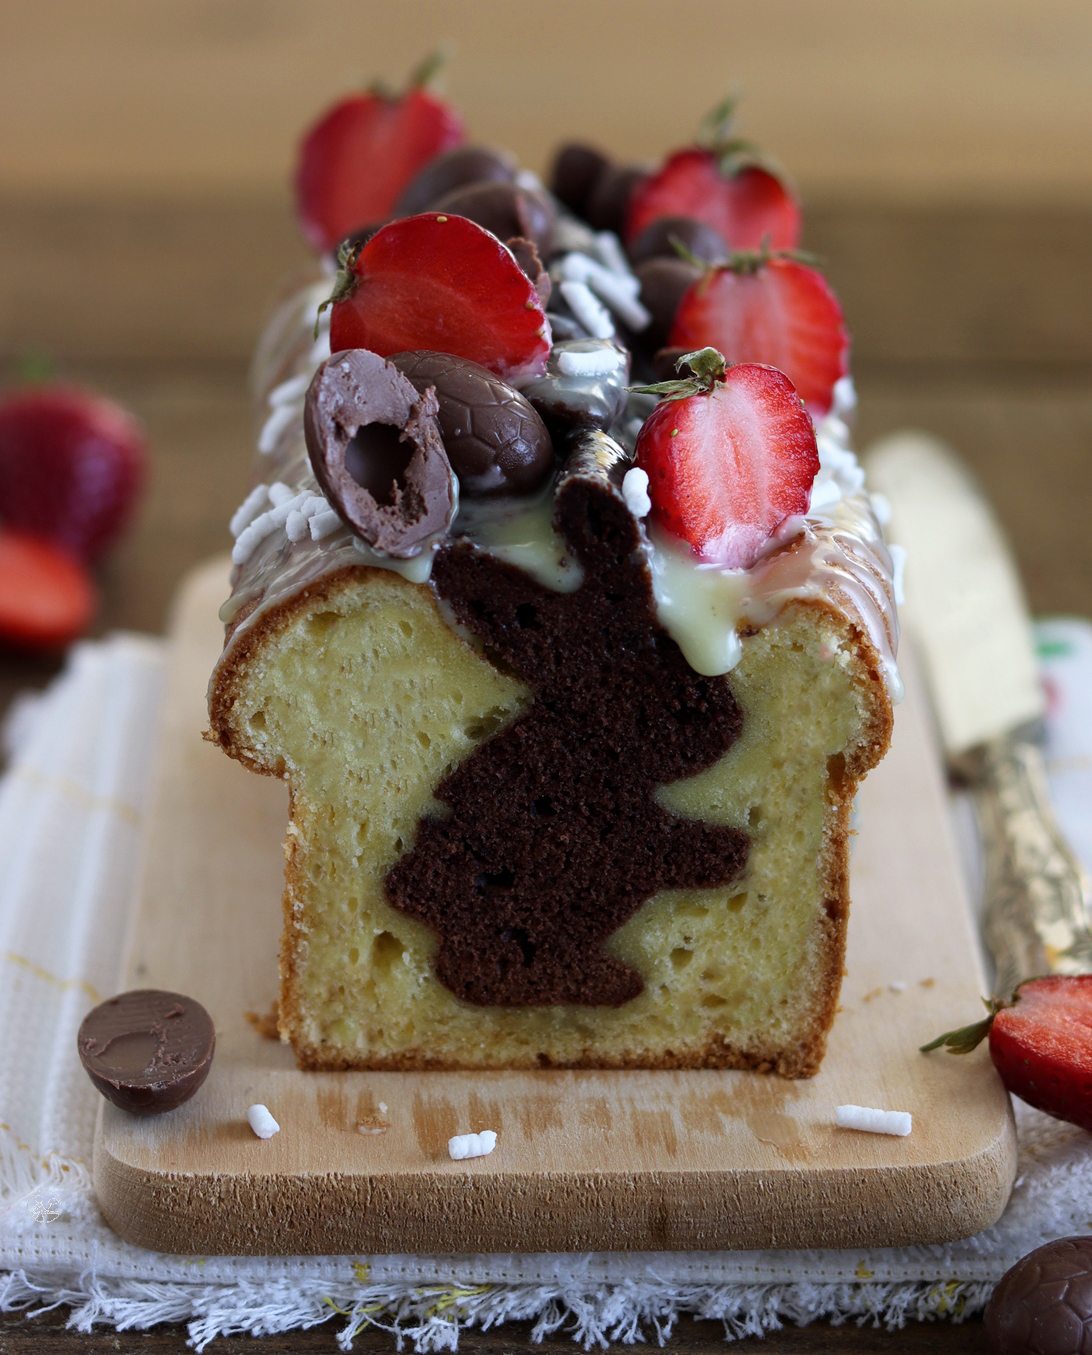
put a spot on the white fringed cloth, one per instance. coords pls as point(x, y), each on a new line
point(71, 811)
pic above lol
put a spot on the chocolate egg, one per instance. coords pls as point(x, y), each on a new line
point(147, 1051)
point(493, 437)
point(657, 240)
point(377, 453)
point(1043, 1305)
point(454, 169)
point(575, 173)
point(505, 209)
point(663, 284)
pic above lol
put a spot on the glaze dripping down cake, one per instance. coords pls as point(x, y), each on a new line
point(572, 675)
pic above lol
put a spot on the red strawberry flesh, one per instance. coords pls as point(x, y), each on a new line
point(71, 466)
point(783, 314)
point(728, 467)
point(444, 283)
point(47, 597)
point(357, 159)
point(747, 207)
point(1042, 1046)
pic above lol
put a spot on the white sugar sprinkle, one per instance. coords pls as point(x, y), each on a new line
point(288, 392)
point(263, 1124)
point(873, 1121)
point(897, 985)
point(589, 311)
point(635, 492)
point(471, 1145)
point(324, 524)
point(610, 253)
point(274, 426)
point(590, 361)
point(296, 527)
point(254, 504)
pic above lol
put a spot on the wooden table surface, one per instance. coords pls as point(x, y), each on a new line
point(974, 322)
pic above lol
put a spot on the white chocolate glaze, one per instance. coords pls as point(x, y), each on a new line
point(835, 555)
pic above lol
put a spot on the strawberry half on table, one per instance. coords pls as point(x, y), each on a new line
point(730, 455)
point(356, 160)
point(1040, 1042)
point(71, 467)
point(769, 307)
point(440, 282)
point(724, 183)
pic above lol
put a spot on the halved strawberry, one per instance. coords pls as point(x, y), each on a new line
point(445, 283)
point(746, 203)
point(729, 456)
point(1040, 1043)
point(356, 160)
point(71, 466)
point(778, 311)
point(47, 597)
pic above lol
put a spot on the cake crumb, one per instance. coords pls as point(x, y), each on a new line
point(873, 1121)
point(876, 992)
point(372, 1124)
point(267, 1026)
point(260, 1120)
point(927, 983)
point(472, 1145)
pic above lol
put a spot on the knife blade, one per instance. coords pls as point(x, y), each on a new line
point(966, 612)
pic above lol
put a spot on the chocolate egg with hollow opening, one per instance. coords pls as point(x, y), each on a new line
point(454, 169)
point(506, 209)
point(493, 437)
point(1043, 1304)
point(147, 1051)
point(377, 453)
point(658, 238)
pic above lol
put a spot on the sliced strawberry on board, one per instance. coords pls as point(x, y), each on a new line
point(746, 203)
point(776, 310)
point(71, 466)
point(1040, 1043)
point(356, 160)
point(445, 283)
point(730, 455)
point(47, 596)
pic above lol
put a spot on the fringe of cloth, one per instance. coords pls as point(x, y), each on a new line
point(431, 1317)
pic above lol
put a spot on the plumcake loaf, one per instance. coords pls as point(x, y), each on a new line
point(571, 673)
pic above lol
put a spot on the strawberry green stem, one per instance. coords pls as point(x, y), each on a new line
point(707, 367)
point(966, 1038)
point(345, 279)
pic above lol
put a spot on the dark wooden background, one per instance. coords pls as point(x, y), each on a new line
point(945, 154)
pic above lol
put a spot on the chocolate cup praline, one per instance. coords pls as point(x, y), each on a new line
point(377, 453)
point(147, 1050)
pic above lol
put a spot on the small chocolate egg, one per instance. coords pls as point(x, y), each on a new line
point(657, 241)
point(454, 169)
point(495, 441)
point(1043, 1305)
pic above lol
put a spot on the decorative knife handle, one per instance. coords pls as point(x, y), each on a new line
point(1035, 908)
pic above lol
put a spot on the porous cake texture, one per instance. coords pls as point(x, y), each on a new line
point(364, 696)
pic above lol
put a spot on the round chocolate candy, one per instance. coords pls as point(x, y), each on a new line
point(493, 438)
point(663, 284)
point(377, 453)
point(1043, 1305)
point(584, 385)
point(608, 201)
point(454, 169)
point(505, 209)
point(575, 173)
point(147, 1051)
point(658, 239)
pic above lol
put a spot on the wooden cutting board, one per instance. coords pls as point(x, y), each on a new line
point(584, 1160)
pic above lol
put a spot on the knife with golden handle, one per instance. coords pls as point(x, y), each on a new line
point(966, 613)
